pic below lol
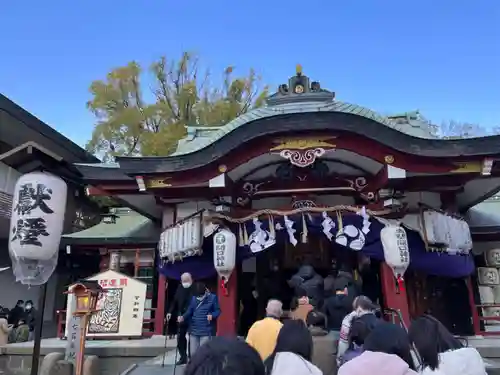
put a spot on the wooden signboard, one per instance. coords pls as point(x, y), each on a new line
point(120, 310)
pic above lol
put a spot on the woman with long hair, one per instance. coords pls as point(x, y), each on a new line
point(387, 351)
point(440, 352)
point(293, 352)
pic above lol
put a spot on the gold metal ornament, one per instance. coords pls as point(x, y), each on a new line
point(299, 89)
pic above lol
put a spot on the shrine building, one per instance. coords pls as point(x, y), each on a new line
point(27, 144)
point(309, 179)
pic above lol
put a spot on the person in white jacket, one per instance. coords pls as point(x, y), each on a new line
point(293, 352)
point(440, 352)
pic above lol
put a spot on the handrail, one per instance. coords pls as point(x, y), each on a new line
point(403, 325)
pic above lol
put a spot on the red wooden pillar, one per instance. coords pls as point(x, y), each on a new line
point(160, 304)
point(169, 217)
point(475, 315)
point(393, 298)
point(226, 324)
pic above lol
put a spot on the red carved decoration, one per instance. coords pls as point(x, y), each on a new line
point(364, 187)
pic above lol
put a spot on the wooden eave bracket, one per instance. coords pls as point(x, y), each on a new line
point(28, 147)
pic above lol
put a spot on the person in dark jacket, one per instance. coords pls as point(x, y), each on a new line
point(30, 318)
point(360, 328)
point(365, 311)
point(345, 279)
point(307, 279)
point(336, 307)
point(201, 317)
point(17, 313)
point(180, 305)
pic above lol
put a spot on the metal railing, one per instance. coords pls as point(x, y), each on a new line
point(392, 314)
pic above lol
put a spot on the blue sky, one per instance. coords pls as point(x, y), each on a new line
point(442, 57)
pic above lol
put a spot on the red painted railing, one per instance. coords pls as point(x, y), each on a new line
point(477, 319)
point(147, 324)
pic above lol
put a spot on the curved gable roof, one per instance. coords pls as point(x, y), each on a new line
point(198, 143)
point(308, 116)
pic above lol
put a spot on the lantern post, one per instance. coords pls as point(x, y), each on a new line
point(36, 225)
point(86, 294)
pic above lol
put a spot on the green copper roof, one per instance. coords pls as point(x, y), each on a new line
point(198, 138)
point(129, 228)
point(485, 214)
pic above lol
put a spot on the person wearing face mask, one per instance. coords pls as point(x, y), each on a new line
point(200, 317)
point(179, 306)
point(30, 318)
point(16, 313)
point(363, 309)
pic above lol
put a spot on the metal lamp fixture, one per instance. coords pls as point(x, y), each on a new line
point(86, 294)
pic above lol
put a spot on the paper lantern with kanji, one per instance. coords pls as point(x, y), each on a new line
point(224, 252)
point(37, 217)
point(396, 250)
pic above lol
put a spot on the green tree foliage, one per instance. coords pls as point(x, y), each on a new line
point(145, 112)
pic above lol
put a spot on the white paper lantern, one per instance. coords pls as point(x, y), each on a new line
point(183, 239)
point(493, 257)
point(486, 294)
point(396, 250)
point(161, 245)
point(224, 252)
point(488, 276)
point(491, 312)
point(37, 216)
point(114, 261)
point(496, 293)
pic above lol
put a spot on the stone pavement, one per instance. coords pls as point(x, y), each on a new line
point(115, 355)
point(150, 347)
point(164, 365)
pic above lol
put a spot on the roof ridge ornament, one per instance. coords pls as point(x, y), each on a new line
point(300, 89)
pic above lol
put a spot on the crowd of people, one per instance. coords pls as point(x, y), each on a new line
point(17, 324)
point(363, 342)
